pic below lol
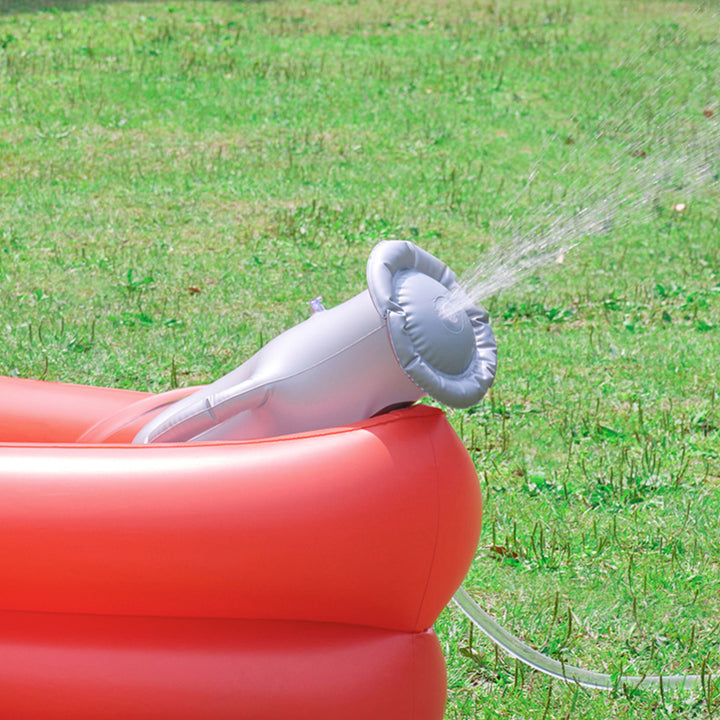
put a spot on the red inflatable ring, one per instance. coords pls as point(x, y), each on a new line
point(294, 577)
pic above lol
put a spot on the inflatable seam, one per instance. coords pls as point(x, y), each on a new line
point(413, 677)
point(436, 469)
point(420, 410)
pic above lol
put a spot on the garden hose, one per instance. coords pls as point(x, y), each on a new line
point(560, 670)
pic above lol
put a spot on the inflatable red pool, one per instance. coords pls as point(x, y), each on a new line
point(292, 577)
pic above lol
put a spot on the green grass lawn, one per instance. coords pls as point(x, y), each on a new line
point(178, 179)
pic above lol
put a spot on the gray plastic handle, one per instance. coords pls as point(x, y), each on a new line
point(385, 347)
point(335, 368)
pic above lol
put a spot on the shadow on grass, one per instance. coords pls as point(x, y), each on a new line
point(11, 7)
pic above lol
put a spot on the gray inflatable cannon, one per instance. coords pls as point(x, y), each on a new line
point(386, 347)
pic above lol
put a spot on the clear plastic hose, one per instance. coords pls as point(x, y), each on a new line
point(544, 664)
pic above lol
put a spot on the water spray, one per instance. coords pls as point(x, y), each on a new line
point(640, 176)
